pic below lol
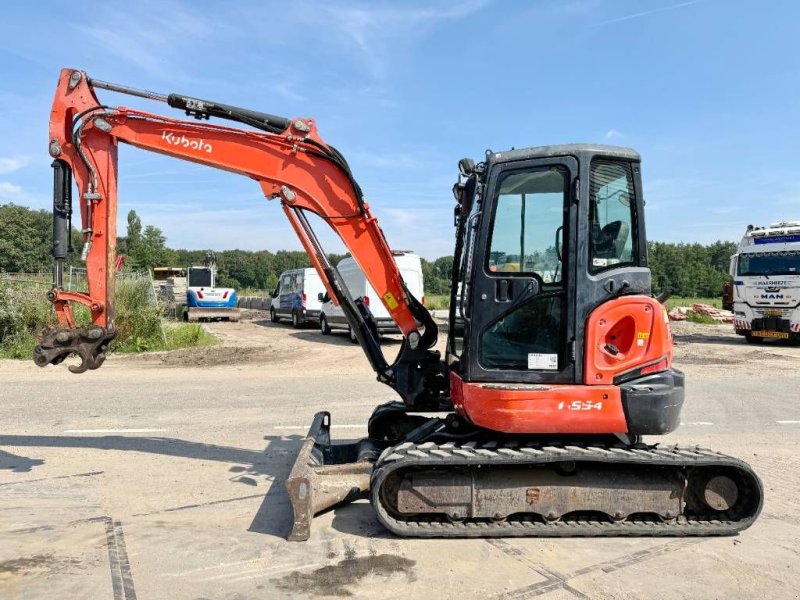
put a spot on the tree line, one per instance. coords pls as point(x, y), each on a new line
point(26, 234)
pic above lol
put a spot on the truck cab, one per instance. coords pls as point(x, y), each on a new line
point(766, 283)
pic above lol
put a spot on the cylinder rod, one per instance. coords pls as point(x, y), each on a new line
point(122, 89)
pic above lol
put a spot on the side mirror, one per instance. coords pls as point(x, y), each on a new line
point(466, 166)
point(465, 193)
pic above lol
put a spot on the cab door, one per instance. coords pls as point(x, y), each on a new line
point(520, 307)
point(286, 294)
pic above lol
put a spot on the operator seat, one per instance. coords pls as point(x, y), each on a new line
point(610, 242)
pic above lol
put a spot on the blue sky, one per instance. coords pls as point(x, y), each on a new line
point(707, 91)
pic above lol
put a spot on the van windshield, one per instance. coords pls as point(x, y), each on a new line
point(772, 263)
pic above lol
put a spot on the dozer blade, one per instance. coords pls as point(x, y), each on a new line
point(325, 474)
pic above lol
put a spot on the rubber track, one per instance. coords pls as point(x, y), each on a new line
point(430, 454)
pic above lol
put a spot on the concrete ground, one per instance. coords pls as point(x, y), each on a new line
point(152, 478)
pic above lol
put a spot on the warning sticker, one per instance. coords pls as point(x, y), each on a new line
point(547, 362)
point(390, 301)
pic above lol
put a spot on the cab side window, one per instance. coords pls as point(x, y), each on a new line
point(286, 284)
point(612, 216)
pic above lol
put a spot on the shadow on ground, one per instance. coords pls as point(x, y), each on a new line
point(18, 464)
point(274, 516)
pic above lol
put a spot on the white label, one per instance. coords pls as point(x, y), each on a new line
point(547, 362)
point(599, 262)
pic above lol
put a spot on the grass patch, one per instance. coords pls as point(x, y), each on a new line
point(437, 301)
point(674, 301)
point(694, 317)
point(189, 335)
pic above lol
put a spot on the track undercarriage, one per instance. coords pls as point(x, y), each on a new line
point(443, 479)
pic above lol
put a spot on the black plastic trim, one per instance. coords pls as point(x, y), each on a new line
point(653, 403)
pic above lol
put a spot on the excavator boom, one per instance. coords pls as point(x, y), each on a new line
point(286, 157)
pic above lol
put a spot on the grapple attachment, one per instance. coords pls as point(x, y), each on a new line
point(88, 343)
point(327, 474)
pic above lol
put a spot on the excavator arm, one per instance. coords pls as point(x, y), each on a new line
point(290, 162)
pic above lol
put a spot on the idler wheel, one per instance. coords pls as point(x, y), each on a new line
point(721, 493)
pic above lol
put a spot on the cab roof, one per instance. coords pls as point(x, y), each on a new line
point(562, 150)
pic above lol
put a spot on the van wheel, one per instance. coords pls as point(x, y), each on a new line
point(353, 337)
point(323, 326)
point(296, 320)
point(273, 315)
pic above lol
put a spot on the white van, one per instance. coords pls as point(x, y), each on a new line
point(297, 297)
point(332, 316)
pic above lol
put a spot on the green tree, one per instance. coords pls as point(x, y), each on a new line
point(26, 240)
point(134, 229)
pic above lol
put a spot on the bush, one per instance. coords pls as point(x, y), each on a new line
point(138, 318)
point(25, 313)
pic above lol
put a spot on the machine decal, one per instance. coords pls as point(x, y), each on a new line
point(200, 145)
point(548, 362)
point(390, 301)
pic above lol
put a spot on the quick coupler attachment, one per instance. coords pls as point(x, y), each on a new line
point(325, 474)
point(88, 343)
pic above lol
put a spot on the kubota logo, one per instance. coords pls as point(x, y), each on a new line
point(183, 141)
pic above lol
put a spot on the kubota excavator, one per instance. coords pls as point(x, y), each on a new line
point(558, 359)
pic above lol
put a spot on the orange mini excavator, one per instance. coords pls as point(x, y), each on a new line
point(558, 359)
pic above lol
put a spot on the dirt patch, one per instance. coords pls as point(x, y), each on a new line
point(36, 563)
point(711, 346)
point(333, 580)
point(27, 563)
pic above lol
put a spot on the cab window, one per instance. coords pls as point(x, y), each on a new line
point(528, 226)
point(612, 216)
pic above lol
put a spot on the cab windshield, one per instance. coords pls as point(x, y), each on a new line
point(772, 263)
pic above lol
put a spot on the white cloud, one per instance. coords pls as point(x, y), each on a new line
point(153, 35)
point(646, 13)
point(613, 133)
point(398, 216)
point(9, 164)
point(9, 191)
point(375, 31)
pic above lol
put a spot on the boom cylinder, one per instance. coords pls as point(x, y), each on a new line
point(62, 218)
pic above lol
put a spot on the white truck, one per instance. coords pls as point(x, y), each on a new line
point(332, 317)
point(766, 282)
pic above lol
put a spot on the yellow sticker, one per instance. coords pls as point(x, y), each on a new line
point(643, 335)
point(389, 300)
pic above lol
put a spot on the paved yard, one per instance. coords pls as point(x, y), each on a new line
point(162, 477)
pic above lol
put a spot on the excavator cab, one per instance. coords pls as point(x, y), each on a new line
point(551, 233)
point(546, 238)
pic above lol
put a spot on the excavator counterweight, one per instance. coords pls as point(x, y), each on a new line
point(558, 358)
